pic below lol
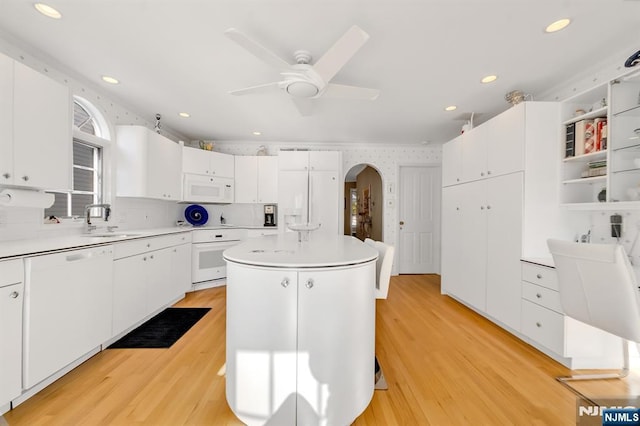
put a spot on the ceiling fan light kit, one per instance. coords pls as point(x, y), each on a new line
point(302, 80)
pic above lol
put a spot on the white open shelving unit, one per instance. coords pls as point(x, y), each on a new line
point(619, 102)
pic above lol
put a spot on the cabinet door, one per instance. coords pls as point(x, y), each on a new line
point(196, 161)
point(504, 248)
point(324, 160)
point(505, 149)
point(180, 270)
point(453, 239)
point(42, 131)
point(163, 167)
point(267, 179)
point(129, 291)
point(246, 179)
point(452, 162)
point(222, 165)
point(159, 289)
point(324, 201)
point(474, 153)
point(473, 247)
point(293, 160)
point(335, 362)
point(261, 344)
point(6, 120)
point(11, 338)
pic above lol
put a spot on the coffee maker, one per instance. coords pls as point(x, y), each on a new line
point(269, 215)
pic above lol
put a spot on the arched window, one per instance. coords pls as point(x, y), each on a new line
point(89, 139)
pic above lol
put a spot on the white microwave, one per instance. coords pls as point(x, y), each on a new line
point(207, 189)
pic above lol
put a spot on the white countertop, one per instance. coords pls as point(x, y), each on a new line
point(284, 250)
point(18, 248)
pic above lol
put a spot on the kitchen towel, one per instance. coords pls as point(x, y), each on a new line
point(26, 198)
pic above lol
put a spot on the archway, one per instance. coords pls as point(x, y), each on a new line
point(363, 207)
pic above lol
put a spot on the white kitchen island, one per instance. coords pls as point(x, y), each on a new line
point(300, 329)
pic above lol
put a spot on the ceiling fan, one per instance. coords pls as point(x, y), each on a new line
point(304, 81)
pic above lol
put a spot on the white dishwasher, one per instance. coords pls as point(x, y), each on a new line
point(67, 309)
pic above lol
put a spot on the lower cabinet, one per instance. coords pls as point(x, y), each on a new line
point(147, 275)
point(11, 299)
point(571, 342)
point(300, 344)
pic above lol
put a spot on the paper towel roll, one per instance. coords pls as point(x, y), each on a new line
point(25, 198)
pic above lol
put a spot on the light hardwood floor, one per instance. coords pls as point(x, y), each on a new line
point(445, 365)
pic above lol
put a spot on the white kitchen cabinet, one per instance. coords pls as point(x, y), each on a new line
point(293, 160)
point(11, 300)
point(148, 164)
point(288, 362)
point(573, 343)
point(6, 120)
point(148, 274)
point(256, 179)
point(452, 162)
point(474, 152)
point(34, 156)
point(203, 162)
point(68, 302)
point(491, 222)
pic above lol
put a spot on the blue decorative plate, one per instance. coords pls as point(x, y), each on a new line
point(196, 215)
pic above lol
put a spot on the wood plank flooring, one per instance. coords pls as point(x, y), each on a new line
point(445, 365)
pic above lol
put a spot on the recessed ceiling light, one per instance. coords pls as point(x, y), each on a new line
point(47, 10)
point(557, 26)
point(451, 108)
point(489, 79)
point(184, 114)
point(257, 133)
point(110, 80)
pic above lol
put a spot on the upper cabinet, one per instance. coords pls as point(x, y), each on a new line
point(494, 148)
point(202, 162)
point(256, 179)
point(601, 145)
point(148, 164)
point(35, 129)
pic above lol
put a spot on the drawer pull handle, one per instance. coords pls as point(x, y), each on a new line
point(309, 283)
point(14, 295)
point(538, 295)
point(538, 324)
point(285, 283)
point(539, 276)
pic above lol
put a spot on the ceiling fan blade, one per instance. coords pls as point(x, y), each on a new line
point(350, 92)
point(340, 53)
point(304, 105)
point(261, 88)
point(257, 49)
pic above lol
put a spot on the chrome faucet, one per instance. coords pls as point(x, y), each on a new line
point(87, 214)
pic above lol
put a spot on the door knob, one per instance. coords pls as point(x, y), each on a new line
point(402, 222)
point(309, 283)
point(285, 283)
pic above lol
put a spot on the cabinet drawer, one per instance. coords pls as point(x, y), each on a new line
point(143, 245)
point(12, 272)
point(540, 275)
point(542, 296)
point(544, 326)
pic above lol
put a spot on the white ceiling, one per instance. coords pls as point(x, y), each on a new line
point(172, 56)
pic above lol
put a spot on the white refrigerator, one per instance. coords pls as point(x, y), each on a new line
point(310, 190)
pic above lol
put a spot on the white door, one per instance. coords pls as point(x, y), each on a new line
point(246, 178)
point(419, 214)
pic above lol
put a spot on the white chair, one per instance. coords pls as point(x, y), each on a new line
point(383, 266)
point(598, 286)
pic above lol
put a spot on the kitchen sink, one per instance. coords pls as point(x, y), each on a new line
point(111, 235)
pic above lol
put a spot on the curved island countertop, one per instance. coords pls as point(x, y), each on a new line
point(300, 329)
point(284, 251)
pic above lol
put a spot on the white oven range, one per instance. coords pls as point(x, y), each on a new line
point(209, 268)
